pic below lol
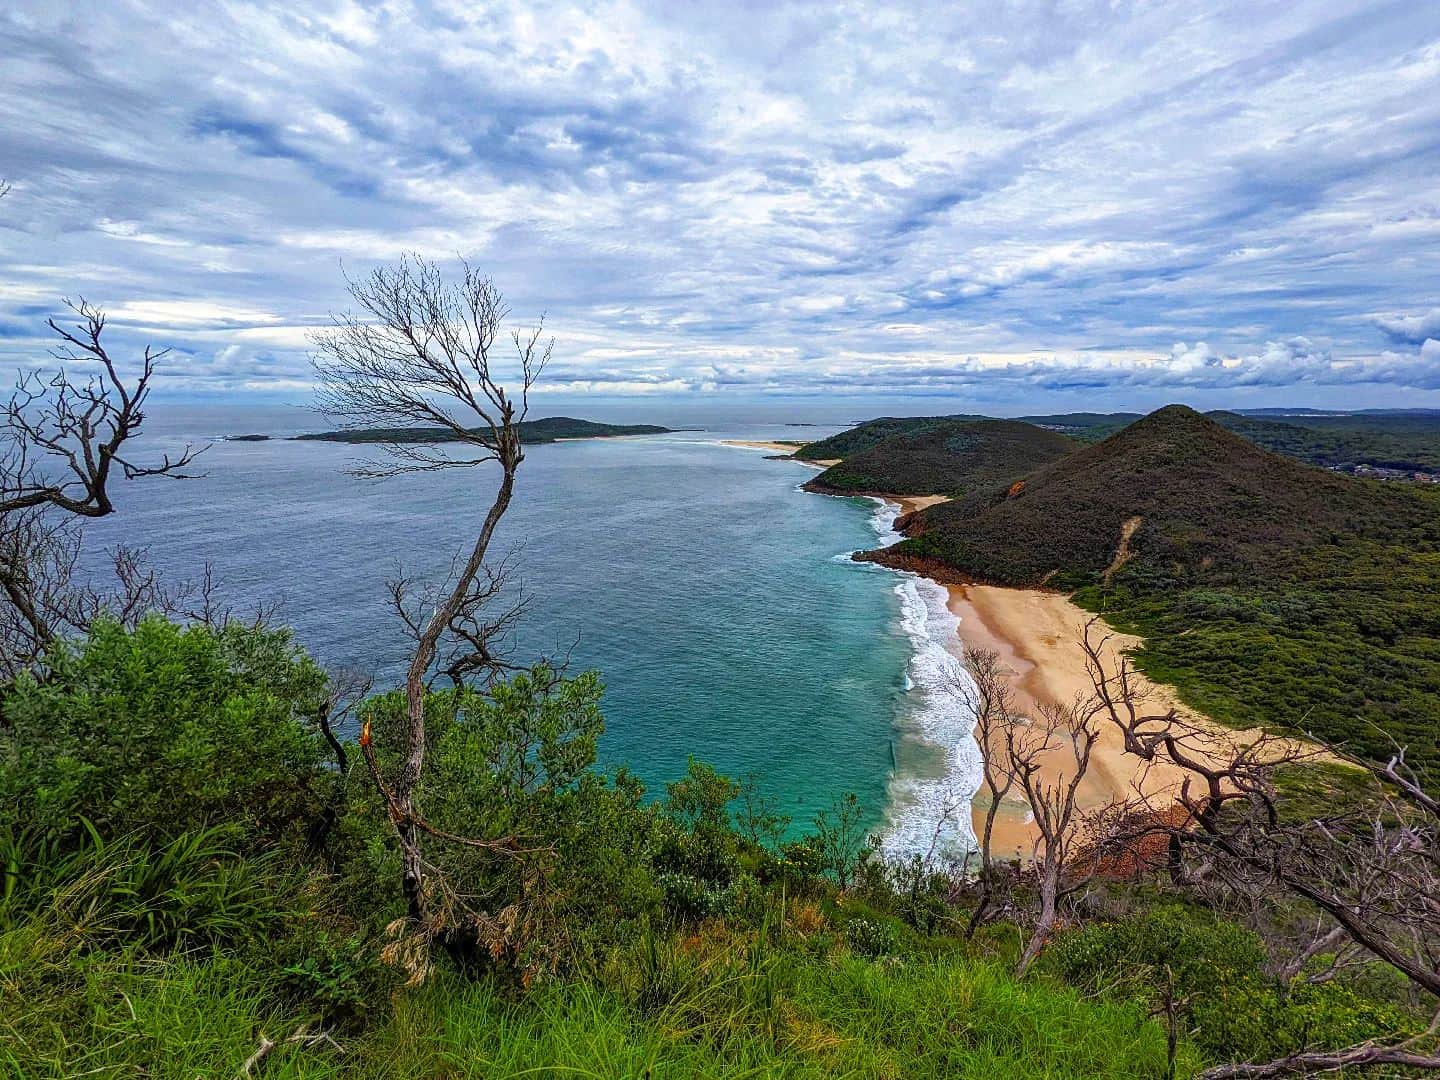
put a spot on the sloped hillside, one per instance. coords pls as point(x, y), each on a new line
point(1268, 591)
point(1212, 506)
point(954, 458)
point(874, 432)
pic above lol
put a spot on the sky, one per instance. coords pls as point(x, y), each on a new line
point(1005, 207)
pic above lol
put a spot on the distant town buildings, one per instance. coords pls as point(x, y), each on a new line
point(1379, 472)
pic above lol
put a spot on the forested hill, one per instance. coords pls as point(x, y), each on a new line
point(1267, 590)
point(951, 458)
point(1403, 441)
point(1399, 440)
point(546, 430)
point(1408, 441)
point(874, 432)
point(1212, 506)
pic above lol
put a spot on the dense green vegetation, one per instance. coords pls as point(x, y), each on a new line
point(949, 459)
point(192, 871)
point(1409, 441)
point(1267, 591)
point(1085, 427)
point(546, 430)
point(1388, 440)
point(874, 432)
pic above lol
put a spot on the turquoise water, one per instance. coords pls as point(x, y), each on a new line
point(712, 594)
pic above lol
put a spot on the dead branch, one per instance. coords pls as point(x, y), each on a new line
point(990, 700)
point(1030, 748)
point(418, 351)
point(1371, 870)
point(64, 439)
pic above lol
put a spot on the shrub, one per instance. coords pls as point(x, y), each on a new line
point(517, 761)
point(870, 937)
point(1215, 970)
point(336, 976)
point(163, 730)
point(1199, 951)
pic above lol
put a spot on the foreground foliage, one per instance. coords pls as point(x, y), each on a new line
point(233, 894)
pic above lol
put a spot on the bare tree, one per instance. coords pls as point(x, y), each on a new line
point(64, 438)
point(419, 352)
point(63, 441)
point(1031, 748)
point(1370, 870)
point(989, 697)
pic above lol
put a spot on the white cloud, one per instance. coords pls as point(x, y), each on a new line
point(181, 315)
point(1411, 329)
point(787, 197)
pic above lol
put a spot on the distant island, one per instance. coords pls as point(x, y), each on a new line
point(247, 438)
point(547, 430)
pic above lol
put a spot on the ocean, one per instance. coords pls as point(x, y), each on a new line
point(715, 597)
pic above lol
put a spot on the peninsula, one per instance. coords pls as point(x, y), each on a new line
point(1251, 588)
point(547, 430)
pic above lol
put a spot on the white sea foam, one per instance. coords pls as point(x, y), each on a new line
point(929, 809)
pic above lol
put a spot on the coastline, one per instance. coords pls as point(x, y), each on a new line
point(786, 449)
point(1037, 634)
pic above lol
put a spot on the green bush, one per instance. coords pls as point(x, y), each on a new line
point(1196, 949)
point(515, 761)
point(871, 937)
point(1214, 971)
point(163, 730)
point(1260, 1022)
point(338, 978)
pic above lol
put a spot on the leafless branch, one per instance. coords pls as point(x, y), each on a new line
point(1031, 748)
point(988, 696)
point(418, 351)
point(1370, 869)
point(63, 438)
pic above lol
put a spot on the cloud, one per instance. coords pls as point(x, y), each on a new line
point(775, 199)
point(1410, 329)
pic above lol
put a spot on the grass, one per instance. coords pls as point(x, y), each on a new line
point(721, 1015)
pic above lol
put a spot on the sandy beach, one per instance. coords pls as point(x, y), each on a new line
point(1037, 636)
point(910, 503)
point(786, 448)
point(774, 447)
